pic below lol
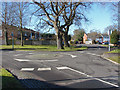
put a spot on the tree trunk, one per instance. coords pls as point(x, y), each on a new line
point(59, 41)
point(65, 39)
point(22, 38)
point(6, 37)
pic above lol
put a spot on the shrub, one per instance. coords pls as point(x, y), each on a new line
point(114, 37)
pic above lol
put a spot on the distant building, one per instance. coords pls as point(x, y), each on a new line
point(100, 38)
point(17, 33)
point(28, 34)
point(85, 38)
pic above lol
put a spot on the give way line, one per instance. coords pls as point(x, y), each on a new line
point(90, 53)
point(26, 60)
point(68, 68)
point(61, 68)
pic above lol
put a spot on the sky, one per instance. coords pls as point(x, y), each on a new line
point(99, 16)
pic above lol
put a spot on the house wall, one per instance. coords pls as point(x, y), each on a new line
point(84, 38)
point(88, 42)
point(16, 32)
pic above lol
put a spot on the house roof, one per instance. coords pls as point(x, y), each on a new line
point(17, 28)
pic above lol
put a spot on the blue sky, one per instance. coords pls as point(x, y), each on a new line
point(100, 17)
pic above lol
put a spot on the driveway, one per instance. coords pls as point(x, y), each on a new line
point(76, 69)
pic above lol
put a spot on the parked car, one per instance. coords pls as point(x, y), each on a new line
point(98, 42)
point(105, 43)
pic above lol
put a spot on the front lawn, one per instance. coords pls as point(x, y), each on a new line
point(40, 48)
point(8, 80)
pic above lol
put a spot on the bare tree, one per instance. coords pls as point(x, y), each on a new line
point(78, 34)
point(115, 10)
point(13, 13)
point(21, 18)
point(93, 34)
point(60, 16)
point(111, 27)
point(73, 15)
point(6, 18)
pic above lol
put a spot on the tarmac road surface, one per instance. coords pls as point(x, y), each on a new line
point(71, 70)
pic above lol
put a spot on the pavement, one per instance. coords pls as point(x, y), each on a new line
point(70, 70)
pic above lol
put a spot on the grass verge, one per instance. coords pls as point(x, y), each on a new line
point(40, 48)
point(115, 51)
point(115, 58)
point(8, 80)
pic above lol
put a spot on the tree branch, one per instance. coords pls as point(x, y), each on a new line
point(43, 8)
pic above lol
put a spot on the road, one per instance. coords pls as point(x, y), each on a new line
point(77, 69)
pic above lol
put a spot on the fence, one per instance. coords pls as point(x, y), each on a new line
point(31, 42)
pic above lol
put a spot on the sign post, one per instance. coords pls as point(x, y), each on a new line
point(109, 33)
point(12, 40)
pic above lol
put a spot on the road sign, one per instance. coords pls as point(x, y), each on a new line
point(12, 34)
point(109, 33)
point(12, 40)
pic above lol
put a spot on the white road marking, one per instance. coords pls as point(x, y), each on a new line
point(17, 54)
point(31, 53)
point(93, 54)
point(47, 60)
point(44, 69)
point(81, 51)
point(90, 53)
point(22, 60)
point(73, 56)
point(27, 69)
point(60, 68)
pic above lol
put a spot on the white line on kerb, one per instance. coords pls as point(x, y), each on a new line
point(27, 69)
point(60, 68)
point(44, 69)
point(22, 60)
point(110, 60)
